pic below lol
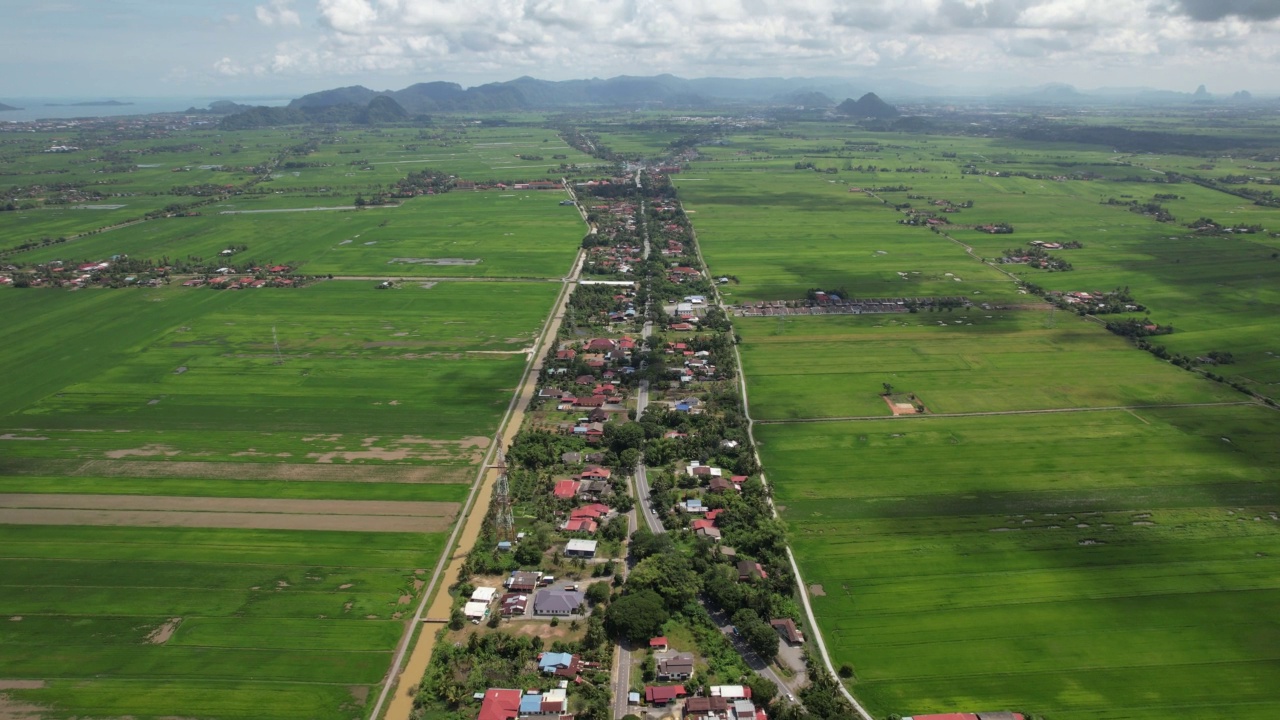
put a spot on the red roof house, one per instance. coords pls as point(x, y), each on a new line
point(566, 489)
point(663, 694)
point(500, 705)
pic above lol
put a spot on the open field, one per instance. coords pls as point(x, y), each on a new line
point(228, 504)
point(97, 611)
point(350, 360)
point(517, 234)
point(962, 361)
point(783, 232)
point(1082, 565)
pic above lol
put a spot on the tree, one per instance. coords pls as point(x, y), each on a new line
point(763, 691)
point(670, 576)
point(760, 636)
point(598, 592)
point(636, 616)
point(645, 543)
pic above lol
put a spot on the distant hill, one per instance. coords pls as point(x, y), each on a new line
point(867, 106)
point(219, 107)
point(4, 108)
point(809, 99)
point(380, 109)
point(527, 93)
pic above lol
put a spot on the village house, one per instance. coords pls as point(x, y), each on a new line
point(719, 485)
point(786, 627)
point(514, 604)
point(559, 663)
point(566, 489)
point(658, 644)
point(748, 570)
point(580, 548)
point(557, 602)
point(476, 612)
point(500, 704)
point(676, 667)
point(693, 505)
point(484, 594)
point(663, 695)
point(722, 708)
point(523, 581)
point(551, 702)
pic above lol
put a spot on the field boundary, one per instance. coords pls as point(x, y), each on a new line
point(549, 326)
point(755, 449)
point(989, 413)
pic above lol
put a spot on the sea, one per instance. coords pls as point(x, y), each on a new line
point(49, 108)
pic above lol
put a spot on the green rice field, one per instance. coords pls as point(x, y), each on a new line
point(1079, 565)
point(227, 504)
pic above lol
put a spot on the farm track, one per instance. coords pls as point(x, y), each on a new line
point(414, 279)
point(237, 520)
point(475, 510)
point(1044, 411)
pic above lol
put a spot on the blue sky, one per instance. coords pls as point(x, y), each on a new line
point(183, 48)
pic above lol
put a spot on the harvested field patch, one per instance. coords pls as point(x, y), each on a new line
point(21, 684)
point(817, 591)
point(273, 471)
point(11, 709)
point(243, 505)
point(144, 451)
point(206, 512)
point(433, 261)
point(161, 634)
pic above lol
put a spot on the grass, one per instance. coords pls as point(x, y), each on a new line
point(1047, 563)
point(526, 234)
point(402, 361)
point(783, 232)
point(302, 609)
point(955, 362)
point(363, 394)
point(1099, 564)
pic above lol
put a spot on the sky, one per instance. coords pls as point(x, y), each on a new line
point(271, 48)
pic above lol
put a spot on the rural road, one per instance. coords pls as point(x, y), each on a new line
point(467, 530)
point(622, 657)
point(1044, 411)
point(795, 568)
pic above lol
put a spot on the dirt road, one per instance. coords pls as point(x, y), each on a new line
point(406, 682)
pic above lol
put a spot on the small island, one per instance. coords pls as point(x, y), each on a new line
point(6, 108)
point(90, 103)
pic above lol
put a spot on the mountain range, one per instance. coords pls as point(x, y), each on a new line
point(527, 93)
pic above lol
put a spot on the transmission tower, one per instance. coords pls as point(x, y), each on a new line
point(276, 339)
point(503, 518)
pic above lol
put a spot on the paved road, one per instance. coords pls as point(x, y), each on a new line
point(622, 657)
point(816, 633)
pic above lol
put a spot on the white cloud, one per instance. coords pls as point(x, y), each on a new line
point(1039, 39)
point(277, 13)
